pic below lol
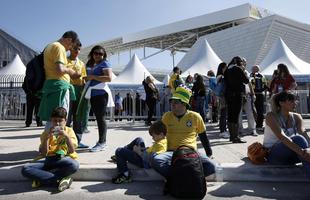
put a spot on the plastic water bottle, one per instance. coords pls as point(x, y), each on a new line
point(219, 173)
point(56, 131)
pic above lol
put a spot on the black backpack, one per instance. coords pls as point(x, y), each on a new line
point(257, 82)
point(186, 178)
point(35, 75)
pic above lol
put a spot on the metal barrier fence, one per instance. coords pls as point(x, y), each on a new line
point(13, 104)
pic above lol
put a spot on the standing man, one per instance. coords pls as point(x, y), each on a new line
point(55, 91)
point(259, 84)
point(183, 127)
point(32, 103)
point(175, 79)
point(235, 78)
point(78, 84)
point(248, 106)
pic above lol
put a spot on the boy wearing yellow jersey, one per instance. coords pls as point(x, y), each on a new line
point(183, 127)
point(137, 154)
point(57, 146)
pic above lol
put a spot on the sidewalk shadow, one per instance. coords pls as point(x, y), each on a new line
point(214, 143)
point(23, 187)
point(15, 137)
point(153, 191)
point(132, 128)
point(17, 158)
point(20, 128)
point(264, 190)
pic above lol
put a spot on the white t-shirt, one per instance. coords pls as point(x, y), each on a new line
point(270, 138)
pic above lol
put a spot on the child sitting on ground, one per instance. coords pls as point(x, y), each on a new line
point(137, 154)
point(58, 148)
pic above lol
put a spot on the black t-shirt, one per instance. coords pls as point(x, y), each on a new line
point(235, 79)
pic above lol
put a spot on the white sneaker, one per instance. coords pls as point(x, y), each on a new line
point(225, 135)
point(98, 147)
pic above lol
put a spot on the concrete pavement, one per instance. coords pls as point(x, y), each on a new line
point(19, 145)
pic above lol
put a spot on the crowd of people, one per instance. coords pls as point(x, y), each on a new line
point(73, 87)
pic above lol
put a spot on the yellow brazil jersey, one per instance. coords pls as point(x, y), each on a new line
point(158, 147)
point(78, 66)
point(171, 82)
point(55, 144)
point(183, 131)
point(55, 53)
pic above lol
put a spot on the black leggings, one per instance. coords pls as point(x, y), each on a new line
point(234, 103)
point(99, 106)
point(151, 104)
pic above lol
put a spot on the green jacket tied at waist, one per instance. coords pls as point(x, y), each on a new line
point(53, 94)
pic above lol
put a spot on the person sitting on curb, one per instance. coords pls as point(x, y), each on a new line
point(137, 154)
point(183, 126)
point(58, 148)
point(285, 135)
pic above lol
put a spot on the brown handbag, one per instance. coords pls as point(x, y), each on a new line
point(257, 153)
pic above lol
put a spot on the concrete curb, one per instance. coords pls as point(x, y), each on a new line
point(231, 172)
point(263, 173)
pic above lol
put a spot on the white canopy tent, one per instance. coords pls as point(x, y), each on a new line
point(16, 67)
point(13, 74)
point(166, 80)
point(280, 53)
point(134, 73)
point(199, 59)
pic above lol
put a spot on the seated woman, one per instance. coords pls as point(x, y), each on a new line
point(285, 134)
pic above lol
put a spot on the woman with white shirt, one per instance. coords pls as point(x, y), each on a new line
point(285, 135)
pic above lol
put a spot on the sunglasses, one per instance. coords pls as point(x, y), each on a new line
point(77, 49)
point(98, 53)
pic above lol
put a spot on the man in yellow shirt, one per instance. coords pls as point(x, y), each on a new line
point(78, 84)
point(175, 79)
point(183, 127)
point(57, 146)
point(55, 91)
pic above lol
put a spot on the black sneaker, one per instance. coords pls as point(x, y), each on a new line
point(238, 140)
point(122, 178)
point(148, 123)
point(113, 158)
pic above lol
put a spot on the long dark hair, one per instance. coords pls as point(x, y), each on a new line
point(220, 69)
point(91, 60)
point(281, 97)
point(199, 84)
point(236, 61)
point(282, 68)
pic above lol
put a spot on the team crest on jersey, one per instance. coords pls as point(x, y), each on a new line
point(189, 123)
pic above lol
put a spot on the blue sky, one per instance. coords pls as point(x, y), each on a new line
point(38, 22)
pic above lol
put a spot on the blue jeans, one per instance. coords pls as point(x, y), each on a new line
point(200, 106)
point(161, 163)
point(126, 153)
point(280, 154)
point(50, 170)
